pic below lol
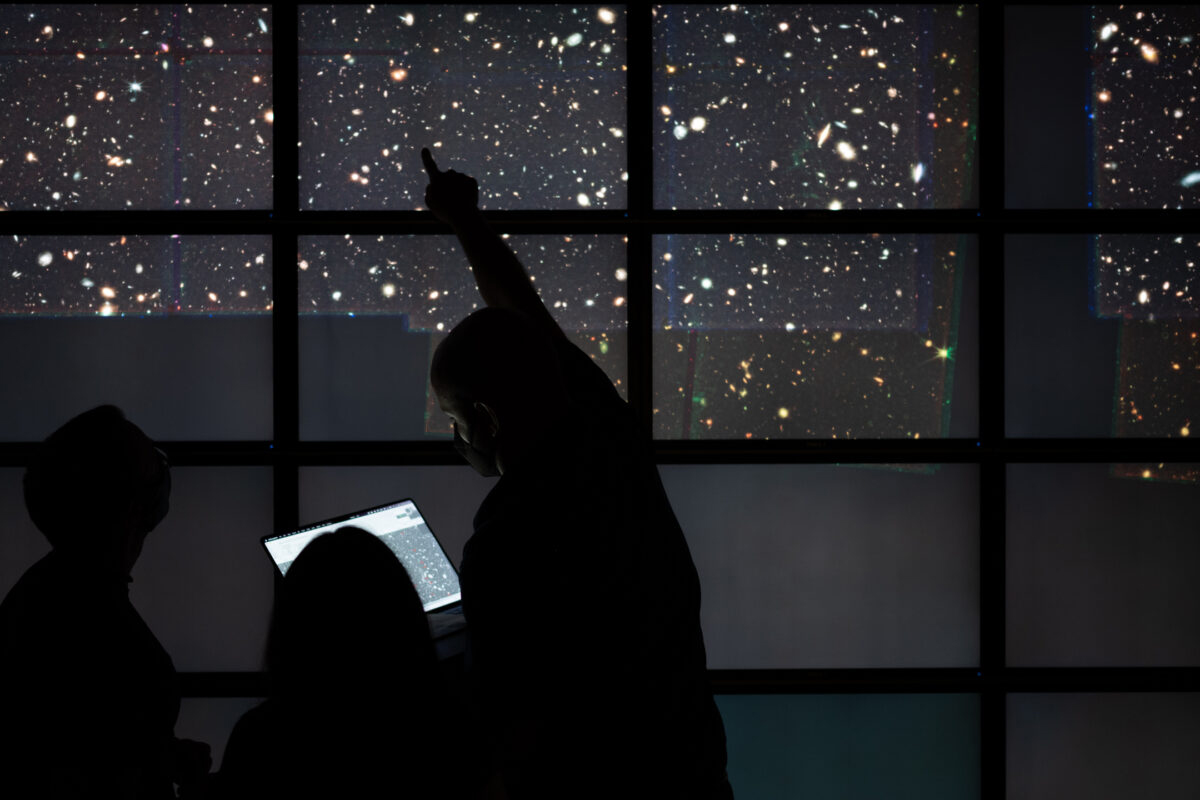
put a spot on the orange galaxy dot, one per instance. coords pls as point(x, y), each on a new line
point(399, 74)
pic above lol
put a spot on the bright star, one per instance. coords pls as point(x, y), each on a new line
point(134, 86)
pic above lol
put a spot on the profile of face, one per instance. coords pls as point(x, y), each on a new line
point(476, 430)
point(155, 500)
point(497, 378)
point(149, 504)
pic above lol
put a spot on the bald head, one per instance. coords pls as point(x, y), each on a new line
point(497, 377)
point(497, 357)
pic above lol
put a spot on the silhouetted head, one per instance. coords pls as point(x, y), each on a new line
point(97, 486)
point(347, 618)
point(497, 378)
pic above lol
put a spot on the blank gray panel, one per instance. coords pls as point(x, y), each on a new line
point(176, 379)
point(822, 566)
point(1060, 358)
point(203, 583)
point(447, 496)
point(1045, 94)
point(352, 388)
point(211, 720)
point(1101, 568)
point(850, 746)
point(21, 544)
point(1103, 746)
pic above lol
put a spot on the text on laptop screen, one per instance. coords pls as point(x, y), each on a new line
point(402, 529)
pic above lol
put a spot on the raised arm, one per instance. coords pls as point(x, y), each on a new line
point(499, 276)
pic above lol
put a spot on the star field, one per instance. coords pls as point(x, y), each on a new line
point(832, 106)
point(119, 276)
point(135, 107)
point(1158, 384)
point(532, 97)
point(836, 336)
point(1147, 276)
point(1143, 106)
point(1148, 282)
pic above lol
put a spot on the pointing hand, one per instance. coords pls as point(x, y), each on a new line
point(450, 195)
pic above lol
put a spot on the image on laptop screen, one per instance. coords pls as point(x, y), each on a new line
point(402, 528)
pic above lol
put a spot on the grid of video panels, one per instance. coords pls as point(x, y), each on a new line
point(777, 335)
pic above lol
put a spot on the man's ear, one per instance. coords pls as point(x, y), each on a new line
point(488, 417)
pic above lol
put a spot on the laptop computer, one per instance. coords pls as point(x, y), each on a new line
point(402, 528)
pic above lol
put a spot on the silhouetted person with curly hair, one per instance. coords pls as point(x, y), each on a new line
point(88, 696)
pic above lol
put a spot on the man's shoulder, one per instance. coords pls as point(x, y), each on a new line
point(587, 384)
point(526, 517)
point(496, 523)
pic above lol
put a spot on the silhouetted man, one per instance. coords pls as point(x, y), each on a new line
point(89, 697)
point(581, 598)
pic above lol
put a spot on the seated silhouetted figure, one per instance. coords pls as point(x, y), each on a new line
point(88, 696)
point(581, 598)
point(357, 705)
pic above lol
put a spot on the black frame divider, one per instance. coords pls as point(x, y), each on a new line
point(286, 328)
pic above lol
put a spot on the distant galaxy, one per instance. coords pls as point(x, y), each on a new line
point(136, 107)
point(530, 99)
point(1143, 109)
point(831, 106)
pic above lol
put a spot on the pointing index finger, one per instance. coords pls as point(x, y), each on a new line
point(430, 165)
